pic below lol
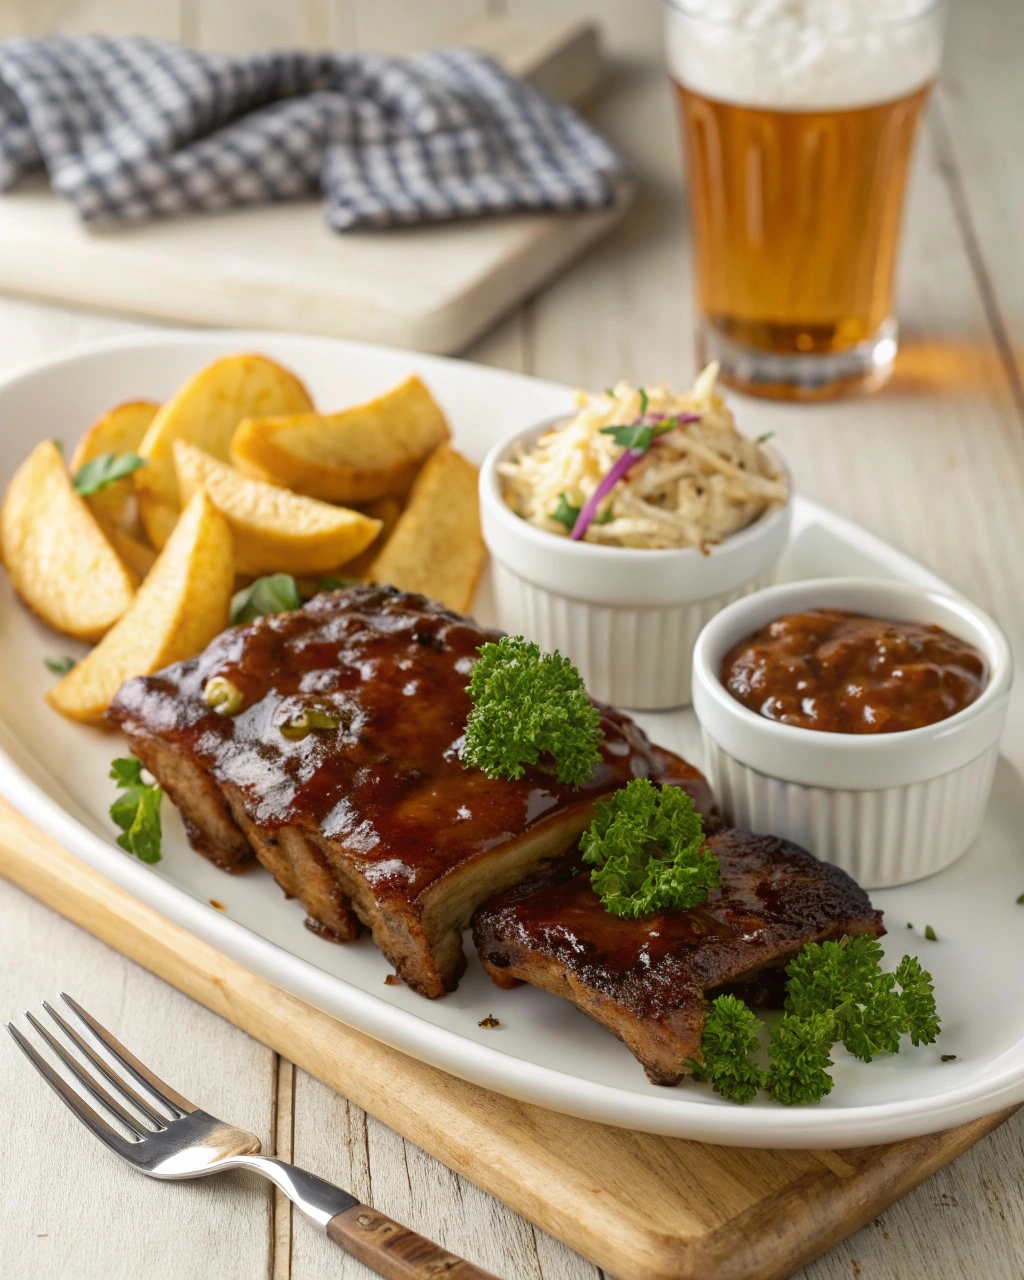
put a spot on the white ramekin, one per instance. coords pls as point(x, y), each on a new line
point(627, 618)
point(888, 808)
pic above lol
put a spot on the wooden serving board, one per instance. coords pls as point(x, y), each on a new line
point(640, 1206)
point(430, 288)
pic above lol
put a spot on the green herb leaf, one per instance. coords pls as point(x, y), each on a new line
point(643, 402)
point(647, 844)
point(277, 593)
point(104, 469)
point(917, 997)
point(730, 1038)
point(59, 666)
point(835, 991)
point(59, 446)
point(930, 933)
point(565, 513)
point(800, 1050)
point(764, 437)
point(633, 436)
point(136, 810)
point(326, 582)
point(527, 705)
point(947, 1057)
point(1020, 900)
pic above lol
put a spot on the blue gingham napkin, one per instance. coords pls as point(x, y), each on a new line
point(131, 129)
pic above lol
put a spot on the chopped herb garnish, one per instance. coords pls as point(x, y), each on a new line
point(104, 469)
point(528, 706)
point(59, 666)
point(1020, 900)
point(947, 1057)
point(764, 437)
point(836, 991)
point(565, 513)
point(136, 810)
point(909, 925)
point(326, 582)
point(730, 1038)
point(643, 402)
point(489, 1021)
point(277, 593)
point(639, 435)
point(647, 846)
point(59, 446)
point(930, 933)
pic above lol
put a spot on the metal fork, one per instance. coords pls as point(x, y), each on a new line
point(189, 1143)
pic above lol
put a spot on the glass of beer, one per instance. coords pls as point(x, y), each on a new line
point(799, 118)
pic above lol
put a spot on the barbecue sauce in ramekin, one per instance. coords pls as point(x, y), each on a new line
point(842, 672)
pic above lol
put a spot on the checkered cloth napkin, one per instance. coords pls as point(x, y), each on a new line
point(131, 129)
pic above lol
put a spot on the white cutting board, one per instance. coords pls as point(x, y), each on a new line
point(430, 288)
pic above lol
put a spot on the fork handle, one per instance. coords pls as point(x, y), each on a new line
point(394, 1251)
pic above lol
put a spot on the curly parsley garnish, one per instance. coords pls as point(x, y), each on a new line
point(647, 844)
point(104, 469)
point(837, 992)
point(136, 810)
point(528, 705)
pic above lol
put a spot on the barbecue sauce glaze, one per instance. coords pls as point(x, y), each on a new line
point(388, 783)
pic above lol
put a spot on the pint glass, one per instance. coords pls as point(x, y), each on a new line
point(799, 119)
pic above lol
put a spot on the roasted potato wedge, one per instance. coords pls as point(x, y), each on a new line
point(137, 556)
point(176, 612)
point(119, 430)
point(205, 412)
point(370, 451)
point(60, 563)
point(274, 530)
point(387, 511)
point(436, 547)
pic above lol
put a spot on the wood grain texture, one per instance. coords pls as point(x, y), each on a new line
point(944, 433)
point(645, 1207)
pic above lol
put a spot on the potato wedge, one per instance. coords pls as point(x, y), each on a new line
point(372, 450)
point(205, 412)
point(436, 547)
point(119, 430)
point(177, 611)
point(138, 557)
point(274, 530)
point(60, 563)
point(387, 511)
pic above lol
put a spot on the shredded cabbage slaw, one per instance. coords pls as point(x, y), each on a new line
point(695, 485)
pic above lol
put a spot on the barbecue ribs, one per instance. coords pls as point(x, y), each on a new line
point(647, 980)
point(341, 771)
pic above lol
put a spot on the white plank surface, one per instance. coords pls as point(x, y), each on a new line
point(935, 464)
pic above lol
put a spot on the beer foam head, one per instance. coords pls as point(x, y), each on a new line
point(804, 54)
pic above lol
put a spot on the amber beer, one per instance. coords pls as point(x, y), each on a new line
point(796, 219)
point(799, 123)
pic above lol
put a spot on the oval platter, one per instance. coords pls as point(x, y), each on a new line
point(544, 1051)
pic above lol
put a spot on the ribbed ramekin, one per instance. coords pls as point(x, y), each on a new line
point(627, 618)
point(888, 808)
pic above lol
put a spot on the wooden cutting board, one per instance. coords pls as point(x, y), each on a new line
point(431, 288)
point(640, 1206)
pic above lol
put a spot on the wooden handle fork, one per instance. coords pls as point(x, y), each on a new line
point(394, 1251)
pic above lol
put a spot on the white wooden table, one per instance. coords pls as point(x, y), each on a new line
point(935, 465)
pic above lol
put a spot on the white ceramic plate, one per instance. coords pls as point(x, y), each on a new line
point(544, 1051)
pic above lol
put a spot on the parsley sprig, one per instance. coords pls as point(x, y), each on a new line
point(276, 593)
point(647, 845)
point(136, 810)
point(528, 705)
point(104, 469)
point(837, 992)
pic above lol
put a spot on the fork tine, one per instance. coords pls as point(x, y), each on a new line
point(78, 1105)
point(121, 1085)
point(88, 1081)
point(168, 1096)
